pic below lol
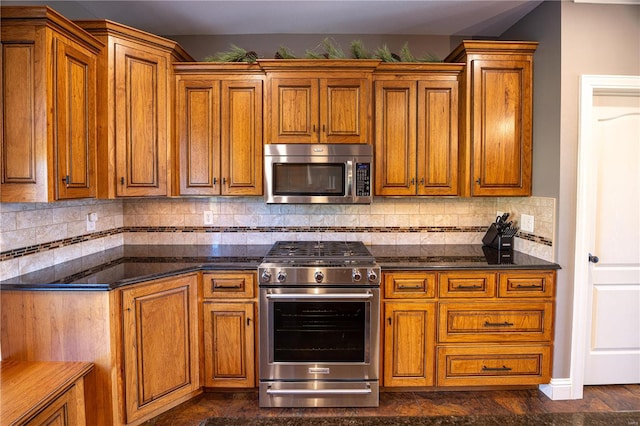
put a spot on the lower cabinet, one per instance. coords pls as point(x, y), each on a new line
point(229, 345)
point(67, 410)
point(409, 343)
point(229, 312)
point(409, 328)
point(491, 328)
point(160, 344)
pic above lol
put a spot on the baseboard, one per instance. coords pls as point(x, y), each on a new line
point(559, 389)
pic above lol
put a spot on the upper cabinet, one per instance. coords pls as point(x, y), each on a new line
point(416, 129)
point(319, 101)
point(135, 84)
point(218, 129)
point(48, 83)
point(496, 117)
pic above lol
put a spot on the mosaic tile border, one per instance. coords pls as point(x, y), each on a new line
point(39, 248)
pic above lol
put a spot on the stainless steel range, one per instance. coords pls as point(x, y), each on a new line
point(319, 325)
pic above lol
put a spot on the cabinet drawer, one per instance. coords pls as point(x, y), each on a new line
point(467, 284)
point(228, 285)
point(527, 284)
point(497, 322)
point(405, 285)
point(497, 365)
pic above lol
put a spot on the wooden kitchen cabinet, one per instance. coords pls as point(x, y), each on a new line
point(495, 328)
point(219, 129)
point(229, 329)
point(409, 323)
point(416, 129)
point(496, 107)
point(43, 393)
point(136, 109)
point(160, 330)
point(143, 340)
point(319, 101)
point(48, 88)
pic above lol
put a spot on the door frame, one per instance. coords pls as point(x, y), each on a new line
point(590, 86)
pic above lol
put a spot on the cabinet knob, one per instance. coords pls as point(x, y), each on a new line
point(478, 181)
point(66, 179)
point(593, 259)
point(122, 180)
point(215, 181)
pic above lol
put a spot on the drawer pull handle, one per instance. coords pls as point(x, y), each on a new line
point(503, 368)
point(498, 324)
point(529, 286)
point(409, 287)
point(468, 287)
point(232, 286)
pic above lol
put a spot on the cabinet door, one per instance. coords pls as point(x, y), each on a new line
point(409, 343)
point(294, 110)
point(344, 110)
point(160, 341)
point(501, 111)
point(229, 333)
point(395, 137)
point(198, 129)
point(437, 169)
point(141, 122)
point(241, 137)
point(75, 121)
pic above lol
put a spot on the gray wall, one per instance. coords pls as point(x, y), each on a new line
point(575, 39)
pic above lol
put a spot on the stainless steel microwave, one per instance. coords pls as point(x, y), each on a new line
point(318, 173)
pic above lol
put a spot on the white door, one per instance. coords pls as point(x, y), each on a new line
point(612, 354)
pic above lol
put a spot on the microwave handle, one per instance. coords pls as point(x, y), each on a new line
point(349, 178)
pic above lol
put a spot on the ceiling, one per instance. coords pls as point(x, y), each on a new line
point(483, 18)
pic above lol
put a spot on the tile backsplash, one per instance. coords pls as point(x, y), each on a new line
point(37, 235)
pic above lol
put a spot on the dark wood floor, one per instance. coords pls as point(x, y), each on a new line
point(601, 399)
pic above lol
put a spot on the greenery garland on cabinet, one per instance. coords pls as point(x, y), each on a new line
point(328, 49)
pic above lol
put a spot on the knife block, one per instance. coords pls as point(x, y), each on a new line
point(497, 241)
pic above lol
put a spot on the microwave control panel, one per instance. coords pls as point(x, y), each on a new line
point(363, 179)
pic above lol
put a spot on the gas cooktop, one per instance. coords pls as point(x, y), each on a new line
point(318, 252)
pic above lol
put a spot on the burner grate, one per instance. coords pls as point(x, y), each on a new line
point(318, 252)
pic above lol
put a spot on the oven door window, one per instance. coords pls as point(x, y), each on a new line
point(321, 179)
point(320, 331)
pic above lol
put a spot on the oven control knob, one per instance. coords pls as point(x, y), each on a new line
point(356, 275)
point(266, 276)
point(372, 275)
point(318, 276)
point(282, 276)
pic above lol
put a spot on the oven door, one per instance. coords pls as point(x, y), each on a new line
point(319, 333)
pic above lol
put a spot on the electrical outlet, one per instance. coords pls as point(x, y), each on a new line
point(92, 218)
point(208, 217)
point(526, 223)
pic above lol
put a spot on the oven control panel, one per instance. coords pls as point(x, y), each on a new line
point(279, 275)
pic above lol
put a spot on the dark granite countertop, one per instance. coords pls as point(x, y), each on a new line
point(132, 264)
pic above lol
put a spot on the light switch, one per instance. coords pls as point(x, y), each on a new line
point(526, 223)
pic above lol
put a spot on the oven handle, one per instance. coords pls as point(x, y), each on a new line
point(318, 391)
point(321, 296)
